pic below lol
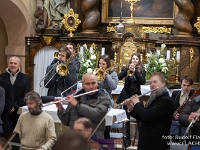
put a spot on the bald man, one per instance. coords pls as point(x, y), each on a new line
point(93, 106)
point(20, 86)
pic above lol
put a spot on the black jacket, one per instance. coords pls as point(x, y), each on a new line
point(132, 84)
point(155, 122)
point(176, 97)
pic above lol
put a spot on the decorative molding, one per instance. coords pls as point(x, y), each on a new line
point(156, 29)
point(197, 25)
point(111, 28)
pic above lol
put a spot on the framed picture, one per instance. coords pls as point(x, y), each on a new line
point(149, 12)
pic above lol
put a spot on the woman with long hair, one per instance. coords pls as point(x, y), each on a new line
point(134, 74)
point(109, 83)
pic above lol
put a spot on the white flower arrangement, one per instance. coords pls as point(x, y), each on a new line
point(157, 63)
point(88, 62)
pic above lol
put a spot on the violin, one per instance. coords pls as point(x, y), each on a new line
point(94, 145)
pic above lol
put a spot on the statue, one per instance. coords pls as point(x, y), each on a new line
point(53, 12)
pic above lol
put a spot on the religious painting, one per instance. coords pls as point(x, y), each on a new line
point(144, 11)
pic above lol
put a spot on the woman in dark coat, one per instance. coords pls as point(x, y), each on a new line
point(133, 80)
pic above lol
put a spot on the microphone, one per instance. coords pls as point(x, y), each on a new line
point(124, 103)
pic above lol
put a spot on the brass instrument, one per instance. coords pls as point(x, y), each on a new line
point(100, 73)
point(61, 69)
point(56, 55)
point(131, 70)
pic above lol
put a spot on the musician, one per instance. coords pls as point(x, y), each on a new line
point(155, 116)
point(132, 84)
point(93, 106)
point(58, 83)
point(189, 113)
point(20, 85)
point(71, 140)
point(180, 96)
point(84, 127)
point(71, 46)
point(109, 83)
point(35, 127)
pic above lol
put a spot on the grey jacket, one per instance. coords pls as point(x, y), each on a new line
point(93, 107)
point(109, 83)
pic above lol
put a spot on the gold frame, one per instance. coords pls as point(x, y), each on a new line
point(136, 20)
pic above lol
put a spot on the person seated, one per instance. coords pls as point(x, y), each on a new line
point(84, 127)
point(35, 127)
point(71, 140)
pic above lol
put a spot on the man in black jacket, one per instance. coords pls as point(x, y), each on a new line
point(20, 86)
point(56, 82)
point(180, 96)
point(155, 116)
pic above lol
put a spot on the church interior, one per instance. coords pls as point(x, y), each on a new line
point(115, 27)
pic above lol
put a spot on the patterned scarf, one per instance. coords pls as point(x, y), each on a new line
point(153, 96)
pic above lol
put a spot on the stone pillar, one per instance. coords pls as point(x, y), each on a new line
point(183, 17)
point(92, 16)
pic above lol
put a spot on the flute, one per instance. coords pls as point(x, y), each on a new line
point(124, 103)
point(62, 98)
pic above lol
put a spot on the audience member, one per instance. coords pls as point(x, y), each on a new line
point(155, 116)
point(35, 127)
point(54, 81)
point(93, 106)
point(7, 125)
point(2, 103)
point(20, 86)
point(134, 75)
point(180, 96)
point(71, 140)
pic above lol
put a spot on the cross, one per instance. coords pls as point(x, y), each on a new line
point(131, 7)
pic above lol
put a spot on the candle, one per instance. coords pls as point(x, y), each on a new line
point(81, 50)
point(121, 11)
point(91, 50)
point(158, 52)
point(178, 55)
point(102, 51)
point(168, 54)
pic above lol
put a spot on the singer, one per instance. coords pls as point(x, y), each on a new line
point(155, 116)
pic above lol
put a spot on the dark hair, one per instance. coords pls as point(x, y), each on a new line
point(68, 53)
point(71, 140)
point(106, 58)
point(74, 46)
point(188, 79)
point(160, 75)
point(85, 122)
point(3, 142)
point(139, 66)
point(33, 96)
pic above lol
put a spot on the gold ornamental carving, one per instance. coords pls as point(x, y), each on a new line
point(191, 51)
point(197, 24)
point(47, 39)
point(111, 28)
point(156, 29)
point(71, 22)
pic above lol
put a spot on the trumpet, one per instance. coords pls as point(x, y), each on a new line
point(61, 69)
point(100, 73)
point(63, 99)
point(131, 70)
point(124, 103)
